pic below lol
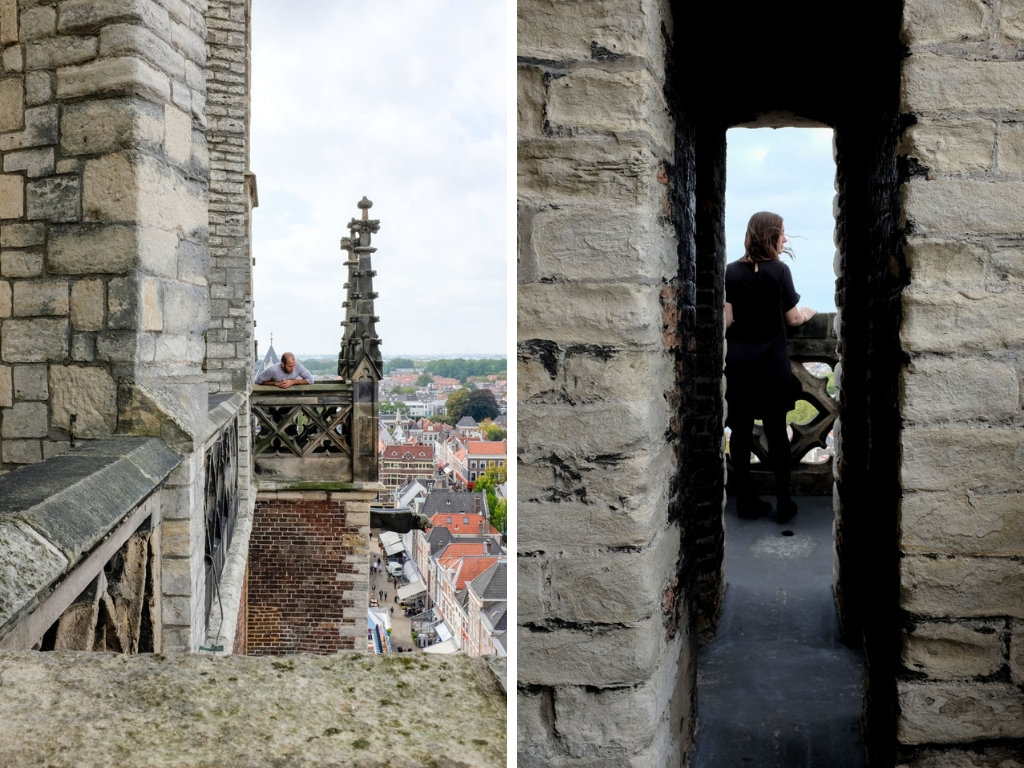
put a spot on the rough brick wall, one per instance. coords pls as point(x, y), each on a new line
point(308, 567)
point(604, 658)
point(230, 352)
point(702, 407)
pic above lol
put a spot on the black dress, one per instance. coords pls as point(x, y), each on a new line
point(757, 366)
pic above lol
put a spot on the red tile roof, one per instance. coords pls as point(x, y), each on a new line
point(416, 450)
point(487, 448)
point(477, 524)
point(467, 566)
point(473, 567)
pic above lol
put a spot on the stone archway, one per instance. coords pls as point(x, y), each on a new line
point(623, 108)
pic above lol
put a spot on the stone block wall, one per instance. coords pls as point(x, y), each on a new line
point(308, 575)
point(605, 654)
point(104, 295)
point(961, 540)
point(102, 214)
point(230, 349)
point(183, 571)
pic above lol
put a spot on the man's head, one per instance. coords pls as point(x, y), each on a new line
point(287, 362)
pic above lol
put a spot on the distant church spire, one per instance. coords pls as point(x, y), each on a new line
point(360, 359)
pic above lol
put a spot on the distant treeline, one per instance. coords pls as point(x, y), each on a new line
point(320, 366)
point(451, 369)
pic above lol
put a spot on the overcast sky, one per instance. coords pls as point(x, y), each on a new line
point(402, 101)
point(789, 171)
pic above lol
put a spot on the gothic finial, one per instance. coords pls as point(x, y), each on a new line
point(360, 353)
point(365, 205)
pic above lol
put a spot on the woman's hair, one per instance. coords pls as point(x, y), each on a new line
point(762, 240)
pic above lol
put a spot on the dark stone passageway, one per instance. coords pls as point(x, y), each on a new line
point(776, 688)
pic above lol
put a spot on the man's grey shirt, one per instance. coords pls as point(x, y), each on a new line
point(276, 373)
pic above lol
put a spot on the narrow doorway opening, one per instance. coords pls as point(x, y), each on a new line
point(776, 680)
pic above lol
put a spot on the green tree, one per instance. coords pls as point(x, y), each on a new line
point(482, 405)
point(492, 431)
point(457, 404)
point(321, 366)
point(499, 516)
point(387, 407)
point(488, 482)
point(802, 414)
point(403, 391)
point(424, 379)
point(462, 369)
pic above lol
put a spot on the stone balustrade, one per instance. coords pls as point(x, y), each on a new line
point(813, 342)
point(77, 565)
point(320, 433)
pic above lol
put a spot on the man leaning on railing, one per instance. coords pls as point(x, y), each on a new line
point(287, 373)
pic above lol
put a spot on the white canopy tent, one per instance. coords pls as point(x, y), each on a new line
point(446, 646)
point(411, 590)
point(392, 542)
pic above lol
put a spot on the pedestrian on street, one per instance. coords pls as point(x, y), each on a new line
point(385, 594)
point(380, 594)
point(392, 612)
point(396, 600)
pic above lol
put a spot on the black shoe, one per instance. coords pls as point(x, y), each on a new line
point(752, 507)
point(786, 511)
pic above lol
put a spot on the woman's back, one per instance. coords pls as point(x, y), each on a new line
point(760, 299)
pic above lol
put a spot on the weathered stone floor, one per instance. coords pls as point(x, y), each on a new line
point(352, 709)
point(776, 688)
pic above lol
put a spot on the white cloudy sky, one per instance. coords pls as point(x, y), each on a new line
point(789, 171)
point(402, 101)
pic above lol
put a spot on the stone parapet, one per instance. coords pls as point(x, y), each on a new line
point(50, 556)
point(295, 710)
point(320, 436)
point(812, 342)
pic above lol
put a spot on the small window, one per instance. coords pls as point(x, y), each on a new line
point(465, 521)
point(448, 521)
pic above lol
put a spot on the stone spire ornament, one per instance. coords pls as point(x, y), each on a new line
point(360, 359)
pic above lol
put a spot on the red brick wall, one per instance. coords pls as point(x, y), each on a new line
point(297, 550)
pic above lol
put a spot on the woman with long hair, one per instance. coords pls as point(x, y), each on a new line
point(760, 301)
